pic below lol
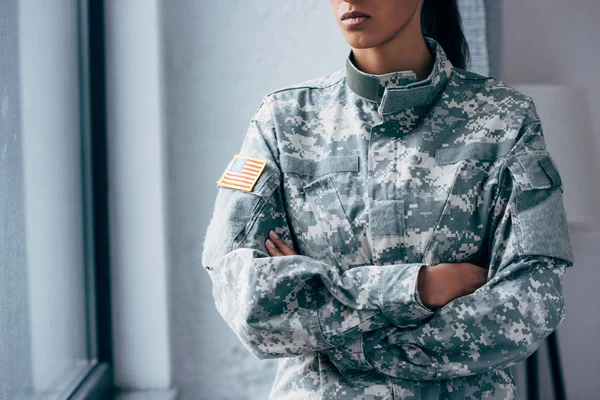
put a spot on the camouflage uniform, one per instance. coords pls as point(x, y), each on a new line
point(369, 178)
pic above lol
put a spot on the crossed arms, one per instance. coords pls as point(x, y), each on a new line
point(370, 318)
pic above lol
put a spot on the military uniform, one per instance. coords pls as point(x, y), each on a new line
point(369, 178)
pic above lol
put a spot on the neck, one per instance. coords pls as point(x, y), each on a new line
point(403, 53)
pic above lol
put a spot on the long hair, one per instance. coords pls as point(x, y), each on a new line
point(440, 20)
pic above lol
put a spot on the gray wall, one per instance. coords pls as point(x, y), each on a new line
point(141, 359)
point(15, 371)
point(556, 41)
point(494, 28)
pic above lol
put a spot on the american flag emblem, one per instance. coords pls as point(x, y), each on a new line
point(242, 173)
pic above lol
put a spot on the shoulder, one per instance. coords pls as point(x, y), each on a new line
point(494, 96)
point(312, 91)
point(489, 116)
point(487, 85)
point(317, 83)
point(295, 99)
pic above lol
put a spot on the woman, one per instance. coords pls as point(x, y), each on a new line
point(394, 229)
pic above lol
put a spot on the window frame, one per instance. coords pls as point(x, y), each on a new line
point(97, 380)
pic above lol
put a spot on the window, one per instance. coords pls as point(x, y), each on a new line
point(49, 218)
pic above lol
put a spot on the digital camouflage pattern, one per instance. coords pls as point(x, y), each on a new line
point(369, 178)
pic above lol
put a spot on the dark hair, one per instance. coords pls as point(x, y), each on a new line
point(440, 20)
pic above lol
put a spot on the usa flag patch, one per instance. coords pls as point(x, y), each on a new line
point(242, 173)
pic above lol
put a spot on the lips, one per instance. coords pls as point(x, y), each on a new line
point(354, 14)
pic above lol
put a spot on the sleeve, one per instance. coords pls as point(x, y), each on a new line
point(289, 305)
point(505, 320)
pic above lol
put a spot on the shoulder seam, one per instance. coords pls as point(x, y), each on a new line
point(537, 120)
point(273, 127)
point(505, 159)
point(457, 72)
point(304, 87)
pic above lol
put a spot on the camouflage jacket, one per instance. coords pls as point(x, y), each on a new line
point(369, 178)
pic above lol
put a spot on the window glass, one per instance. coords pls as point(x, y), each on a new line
point(44, 346)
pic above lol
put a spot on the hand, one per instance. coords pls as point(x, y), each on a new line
point(439, 284)
point(277, 247)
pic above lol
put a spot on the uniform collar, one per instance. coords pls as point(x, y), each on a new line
point(397, 91)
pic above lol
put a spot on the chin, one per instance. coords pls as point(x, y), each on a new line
point(361, 41)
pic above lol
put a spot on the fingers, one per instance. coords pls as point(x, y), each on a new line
point(281, 245)
point(277, 247)
point(272, 249)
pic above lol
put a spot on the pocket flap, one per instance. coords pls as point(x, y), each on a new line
point(476, 151)
point(300, 166)
point(534, 171)
point(334, 223)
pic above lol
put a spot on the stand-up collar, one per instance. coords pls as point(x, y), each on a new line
point(397, 91)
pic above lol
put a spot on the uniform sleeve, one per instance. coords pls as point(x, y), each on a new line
point(504, 321)
point(289, 305)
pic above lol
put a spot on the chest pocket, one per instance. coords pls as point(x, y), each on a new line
point(460, 230)
point(314, 190)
